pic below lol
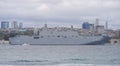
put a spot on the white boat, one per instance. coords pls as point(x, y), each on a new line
point(25, 44)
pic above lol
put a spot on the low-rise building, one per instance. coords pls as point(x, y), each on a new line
point(115, 40)
point(4, 42)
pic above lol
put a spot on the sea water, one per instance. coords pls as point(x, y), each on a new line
point(81, 55)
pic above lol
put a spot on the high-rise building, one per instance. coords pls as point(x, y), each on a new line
point(92, 27)
point(106, 25)
point(97, 22)
point(4, 24)
point(14, 24)
point(20, 25)
point(86, 25)
point(45, 26)
point(71, 26)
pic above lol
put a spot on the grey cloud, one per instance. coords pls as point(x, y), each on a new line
point(60, 11)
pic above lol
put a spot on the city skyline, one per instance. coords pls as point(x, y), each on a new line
point(13, 24)
point(61, 12)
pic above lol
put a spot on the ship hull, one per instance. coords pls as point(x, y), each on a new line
point(81, 40)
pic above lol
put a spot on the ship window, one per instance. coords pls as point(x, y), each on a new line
point(41, 36)
point(76, 36)
point(115, 42)
point(65, 36)
point(36, 37)
point(48, 36)
point(58, 36)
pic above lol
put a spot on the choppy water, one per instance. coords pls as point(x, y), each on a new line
point(83, 55)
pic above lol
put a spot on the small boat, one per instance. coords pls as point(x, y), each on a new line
point(25, 44)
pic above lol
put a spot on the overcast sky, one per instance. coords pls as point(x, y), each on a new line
point(61, 12)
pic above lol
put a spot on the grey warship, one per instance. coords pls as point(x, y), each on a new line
point(57, 36)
